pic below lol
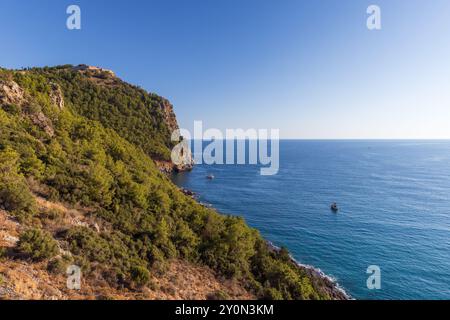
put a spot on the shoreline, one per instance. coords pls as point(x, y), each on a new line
point(331, 286)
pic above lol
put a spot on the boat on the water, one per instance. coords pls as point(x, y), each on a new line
point(334, 207)
point(210, 177)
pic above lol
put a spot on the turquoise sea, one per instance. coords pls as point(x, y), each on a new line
point(394, 200)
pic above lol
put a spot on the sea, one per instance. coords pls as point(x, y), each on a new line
point(393, 221)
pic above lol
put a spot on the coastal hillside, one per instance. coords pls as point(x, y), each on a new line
point(81, 183)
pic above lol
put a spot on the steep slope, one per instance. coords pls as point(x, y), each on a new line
point(145, 120)
point(26, 279)
point(79, 186)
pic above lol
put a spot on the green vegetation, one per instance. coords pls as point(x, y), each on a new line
point(140, 275)
point(3, 252)
point(37, 244)
point(15, 195)
point(129, 110)
point(59, 265)
point(100, 157)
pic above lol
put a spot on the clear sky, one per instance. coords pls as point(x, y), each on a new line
point(310, 68)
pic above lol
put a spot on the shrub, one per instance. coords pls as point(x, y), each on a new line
point(33, 108)
point(3, 252)
point(59, 265)
point(11, 108)
point(85, 242)
point(31, 165)
point(52, 214)
point(15, 196)
point(37, 244)
point(284, 254)
point(228, 244)
point(140, 275)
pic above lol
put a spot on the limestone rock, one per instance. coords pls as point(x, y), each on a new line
point(56, 96)
point(169, 115)
point(41, 120)
point(11, 93)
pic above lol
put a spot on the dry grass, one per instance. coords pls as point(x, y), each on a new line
point(21, 279)
point(26, 280)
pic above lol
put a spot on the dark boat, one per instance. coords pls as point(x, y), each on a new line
point(334, 207)
point(210, 177)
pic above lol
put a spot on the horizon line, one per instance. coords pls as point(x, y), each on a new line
point(339, 139)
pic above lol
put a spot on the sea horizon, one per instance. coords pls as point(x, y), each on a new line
point(331, 139)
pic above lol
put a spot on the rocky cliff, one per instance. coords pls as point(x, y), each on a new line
point(151, 116)
point(184, 159)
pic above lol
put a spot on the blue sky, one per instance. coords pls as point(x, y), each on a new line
point(310, 68)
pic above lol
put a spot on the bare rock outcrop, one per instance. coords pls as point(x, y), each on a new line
point(56, 96)
point(184, 160)
point(181, 152)
point(40, 119)
point(169, 115)
point(11, 93)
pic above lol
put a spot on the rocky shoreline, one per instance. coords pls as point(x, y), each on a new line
point(329, 285)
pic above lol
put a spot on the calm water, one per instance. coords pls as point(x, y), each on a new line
point(394, 200)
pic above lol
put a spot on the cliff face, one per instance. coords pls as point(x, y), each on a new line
point(168, 115)
point(145, 119)
point(185, 161)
